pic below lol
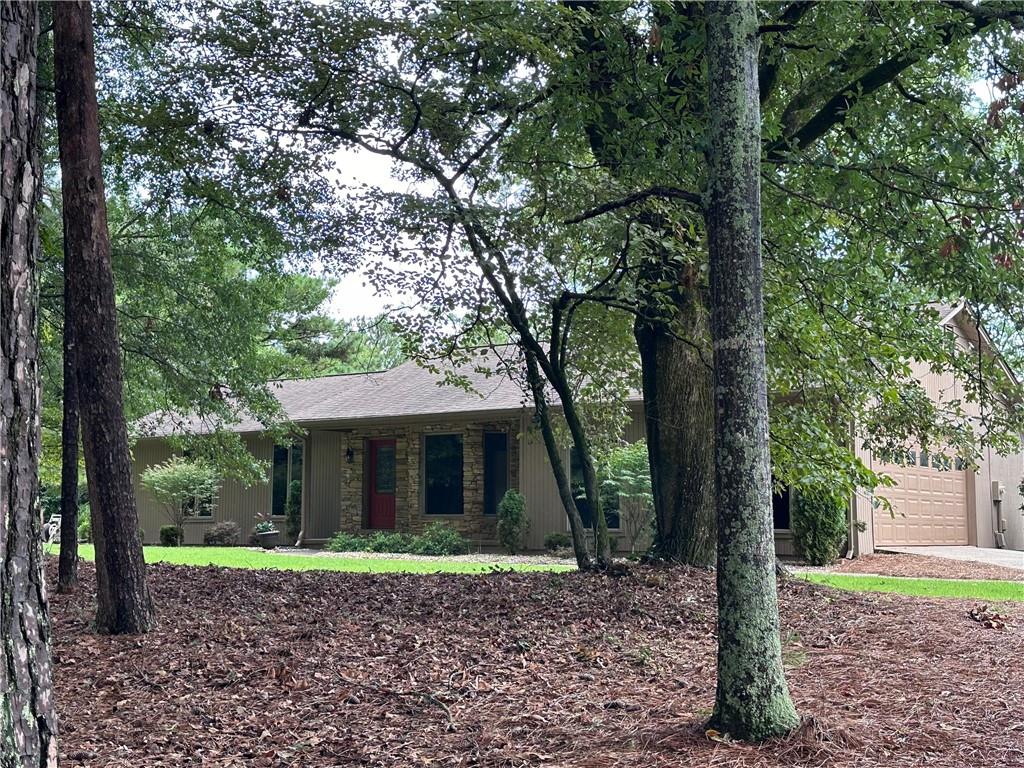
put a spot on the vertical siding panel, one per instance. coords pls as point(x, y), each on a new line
point(325, 481)
point(145, 454)
point(537, 484)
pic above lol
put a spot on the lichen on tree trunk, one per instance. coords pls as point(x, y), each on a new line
point(752, 700)
point(123, 604)
point(28, 721)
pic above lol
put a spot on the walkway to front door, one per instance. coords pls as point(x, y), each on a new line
point(381, 484)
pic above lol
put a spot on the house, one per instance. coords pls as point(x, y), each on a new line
point(396, 450)
point(384, 450)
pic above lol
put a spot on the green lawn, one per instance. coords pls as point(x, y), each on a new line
point(988, 591)
point(240, 557)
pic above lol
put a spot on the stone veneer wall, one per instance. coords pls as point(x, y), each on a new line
point(408, 438)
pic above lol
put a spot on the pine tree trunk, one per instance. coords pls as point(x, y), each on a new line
point(67, 566)
point(123, 601)
point(752, 701)
point(680, 421)
point(28, 721)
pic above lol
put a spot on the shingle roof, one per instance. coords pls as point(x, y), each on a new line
point(407, 390)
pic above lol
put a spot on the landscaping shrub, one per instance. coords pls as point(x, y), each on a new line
point(439, 539)
point(555, 541)
point(387, 541)
point(346, 542)
point(293, 511)
point(819, 524)
point(512, 521)
point(171, 535)
point(84, 526)
point(224, 534)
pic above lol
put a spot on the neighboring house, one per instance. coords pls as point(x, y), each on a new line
point(942, 503)
point(394, 450)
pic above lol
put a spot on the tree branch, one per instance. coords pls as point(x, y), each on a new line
point(671, 193)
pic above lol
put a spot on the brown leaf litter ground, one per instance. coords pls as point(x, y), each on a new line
point(259, 668)
point(926, 567)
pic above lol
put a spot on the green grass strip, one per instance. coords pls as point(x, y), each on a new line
point(987, 591)
point(241, 557)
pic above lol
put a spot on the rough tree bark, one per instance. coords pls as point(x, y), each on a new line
point(752, 701)
point(67, 566)
point(679, 413)
point(123, 604)
point(673, 338)
point(28, 721)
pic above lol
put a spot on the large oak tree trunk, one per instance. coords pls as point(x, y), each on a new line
point(67, 567)
point(28, 722)
point(123, 601)
point(680, 420)
point(752, 701)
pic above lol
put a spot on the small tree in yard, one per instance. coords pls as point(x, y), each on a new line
point(181, 486)
point(512, 521)
point(626, 474)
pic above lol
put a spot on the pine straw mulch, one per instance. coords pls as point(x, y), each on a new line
point(927, 567)
point(260, 668)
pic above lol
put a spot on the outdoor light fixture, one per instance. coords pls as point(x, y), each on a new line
point(349, 455)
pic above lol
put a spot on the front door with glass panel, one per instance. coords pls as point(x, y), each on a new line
point(381, 484)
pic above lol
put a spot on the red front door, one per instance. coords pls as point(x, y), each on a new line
point(381, 484)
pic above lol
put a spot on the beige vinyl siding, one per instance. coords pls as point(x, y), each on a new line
point(537, 482)
point(235, 502)
point(322, 493)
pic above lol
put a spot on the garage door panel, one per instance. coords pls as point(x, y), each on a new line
point(930, 504)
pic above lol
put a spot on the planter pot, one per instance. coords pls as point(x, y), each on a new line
point(268, 540)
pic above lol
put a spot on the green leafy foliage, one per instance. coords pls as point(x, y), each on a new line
point(342, 541)
point(223, 534)
point(265, 527)
point(389, 541)
point(437, 539)
point(171, 535)
point(182, 486)
point(625, 476)
point(819, 523)
point(84, 525)
point(513, 522)
point(557, 540)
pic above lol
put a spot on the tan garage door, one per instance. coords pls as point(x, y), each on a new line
point(929, 503)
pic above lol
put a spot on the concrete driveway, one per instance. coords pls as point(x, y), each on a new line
point(1008, 558)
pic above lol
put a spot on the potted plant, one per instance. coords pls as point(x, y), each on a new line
point(266, 534)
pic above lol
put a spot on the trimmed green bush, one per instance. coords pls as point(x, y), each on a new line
point(84, 525)
point(512, 521)
point(555, 541)
point(819, 524)
point(225, 534)
point(439, 539)
point(387, 541)
point(171, 535)
point(346, 542)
